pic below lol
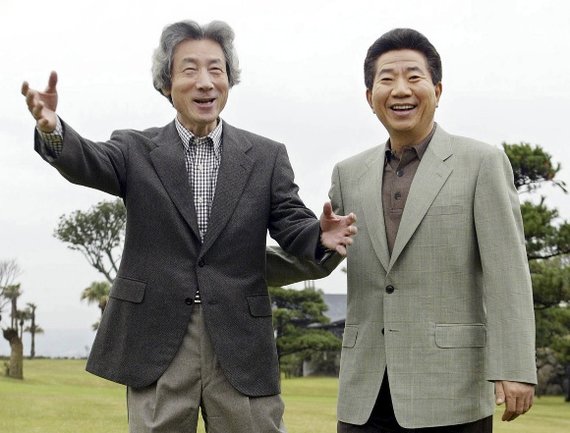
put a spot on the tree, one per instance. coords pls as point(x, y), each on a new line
point(293, 313)
point(15, 367)
point(97, 293)
point(98, 233)
point(9, 271)
point(547, 239)
point(532, 167)
point(22, 316)
point(547, 236)
point(33, 328)
point(9, 293)
point(13, 333)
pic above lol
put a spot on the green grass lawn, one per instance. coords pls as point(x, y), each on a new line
point(58, 396)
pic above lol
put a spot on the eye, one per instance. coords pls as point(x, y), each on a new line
point(217, 70)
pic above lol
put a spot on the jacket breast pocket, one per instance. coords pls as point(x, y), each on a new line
point(259, 306)
point(129, 290)
point(451, 209)
point(450, 336)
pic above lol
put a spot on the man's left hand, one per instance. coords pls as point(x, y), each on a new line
point(517, 396)
point(337, 230)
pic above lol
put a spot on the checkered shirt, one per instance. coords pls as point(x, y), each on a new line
point(53, 140)
point(202, 156)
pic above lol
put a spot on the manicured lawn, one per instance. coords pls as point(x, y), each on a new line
point(58, 396)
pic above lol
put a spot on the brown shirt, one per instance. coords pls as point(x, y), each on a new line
point(399, 172)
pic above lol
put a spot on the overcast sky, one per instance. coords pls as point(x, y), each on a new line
point(506, 77)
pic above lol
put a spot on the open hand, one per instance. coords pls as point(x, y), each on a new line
point(42, 105)
point(337, 230)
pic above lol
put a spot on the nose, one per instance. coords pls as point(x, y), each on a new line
point(401, 87)
point(204, 80)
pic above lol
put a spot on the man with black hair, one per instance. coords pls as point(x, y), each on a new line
point(440, 312)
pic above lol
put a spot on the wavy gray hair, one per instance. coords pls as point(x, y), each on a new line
point(173, 34)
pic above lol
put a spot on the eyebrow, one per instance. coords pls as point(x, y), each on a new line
point(187, 60)
point(408, 69)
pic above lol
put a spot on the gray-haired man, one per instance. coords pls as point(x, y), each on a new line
point(188, 323)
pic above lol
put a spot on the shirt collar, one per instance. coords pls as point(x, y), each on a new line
point(187, 136)
point(419, 148)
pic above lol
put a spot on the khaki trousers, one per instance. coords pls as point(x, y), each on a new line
point(193, 381)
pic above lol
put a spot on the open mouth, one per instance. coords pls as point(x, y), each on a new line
point(204, 101)
point(402, 107)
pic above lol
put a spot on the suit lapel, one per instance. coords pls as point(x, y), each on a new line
point(428, 181)
point(235, 168)
point(370, 183)
point(168, 161)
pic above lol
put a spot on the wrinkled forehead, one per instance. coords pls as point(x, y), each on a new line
point(198, 50)
point(402, 59)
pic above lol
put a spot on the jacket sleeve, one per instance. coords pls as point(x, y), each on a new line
point(97, 165)
point(283, 268)
point(294, 226)
point(506, 278)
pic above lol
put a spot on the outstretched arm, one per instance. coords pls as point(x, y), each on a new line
point(42, 105)
point(337, 230)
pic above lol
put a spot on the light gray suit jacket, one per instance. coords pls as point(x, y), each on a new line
point(164, 262)
point(451, 309)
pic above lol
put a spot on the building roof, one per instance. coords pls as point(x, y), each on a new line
point(337, 306)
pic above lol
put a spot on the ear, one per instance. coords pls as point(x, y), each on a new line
point(438, 90)
point(166, 92)
point(369, 98)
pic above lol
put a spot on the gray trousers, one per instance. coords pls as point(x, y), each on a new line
point(193, 381)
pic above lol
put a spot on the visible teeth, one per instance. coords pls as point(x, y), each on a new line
point(402, 107)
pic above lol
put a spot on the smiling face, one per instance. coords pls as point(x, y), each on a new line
point(200, 84)
point(404, 97)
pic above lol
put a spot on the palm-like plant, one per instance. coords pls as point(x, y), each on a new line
point(97, 293)
point(12, 293)
point(33, 328)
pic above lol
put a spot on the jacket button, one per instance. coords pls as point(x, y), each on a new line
point(188, 301)
point(201, 263)
point(390, 289)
